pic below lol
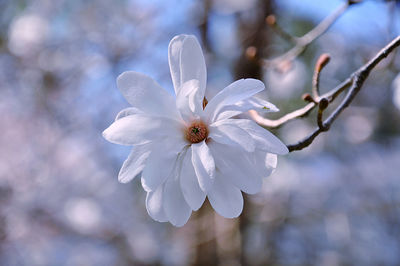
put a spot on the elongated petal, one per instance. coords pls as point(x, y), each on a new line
point(154, 205)
point(187, 62)
point(253, 103)
point(240, 168)
point(188, 102)
point(139, 128)
point(264, 139)
point(225, 198)
point(174, 54)
point(191, 190)
point(160, 163)
point(192, 63)
point(127, 111)
point(175, 206)
point(233, 135)
point(145, 94)
point(235, 92)
point(135, 163)
point(204, 165)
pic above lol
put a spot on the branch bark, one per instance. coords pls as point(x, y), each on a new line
point(357, 81)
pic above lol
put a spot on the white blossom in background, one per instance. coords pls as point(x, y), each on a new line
point(396, 91)
point(188, 149)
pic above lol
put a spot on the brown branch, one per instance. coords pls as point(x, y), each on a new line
point(322, 105)
point(357, 80)
point(301, 43)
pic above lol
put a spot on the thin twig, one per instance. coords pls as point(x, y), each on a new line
point(303, 42)
point(271, 21)
point(323, 60)
point(358, 79)
point(270, 123)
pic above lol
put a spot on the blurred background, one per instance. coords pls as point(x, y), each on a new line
point(335, 203)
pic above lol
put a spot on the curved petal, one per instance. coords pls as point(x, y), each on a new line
point(191, 190)
point(187, 62)
point(139, 128)
point(174, 53)
point(127, 111)
point(253, 103)
point(225, 198)
point(203, 164)
point(264, 139)
point(154, 205)
point(235, 92)
point(192, 63)
point(145, 94)
point(188, 103)
point(233, 135)
point(240, 168)
point(135, 163)
point(175, 206)
point(160, 163)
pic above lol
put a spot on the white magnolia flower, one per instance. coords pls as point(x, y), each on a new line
point(187, 149)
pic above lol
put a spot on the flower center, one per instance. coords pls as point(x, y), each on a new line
point(196, 132)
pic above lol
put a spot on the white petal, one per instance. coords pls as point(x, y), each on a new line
point(174, 53)
point(239, 167)
point(235, 92)
point(135, 163)
point(175, 206)
point(187, 62)
point(188, 103)
point(145, 94)
point(127, 111)
point(192, 63)
point(225, 198)
point(204, 166)
point(233, 135)
point(252, 103)
point(191, 190)
point(139, 128)
point(154, 205)
point(160, 163)
point(264, 139)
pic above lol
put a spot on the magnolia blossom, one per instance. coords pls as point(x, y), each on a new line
point(186, 148)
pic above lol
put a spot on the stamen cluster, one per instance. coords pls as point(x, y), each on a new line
point(196, 132)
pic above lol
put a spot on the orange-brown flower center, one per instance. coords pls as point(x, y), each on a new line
point(196, 132)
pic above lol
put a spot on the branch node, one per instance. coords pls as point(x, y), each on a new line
point(308, 98)
point(323, 104)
